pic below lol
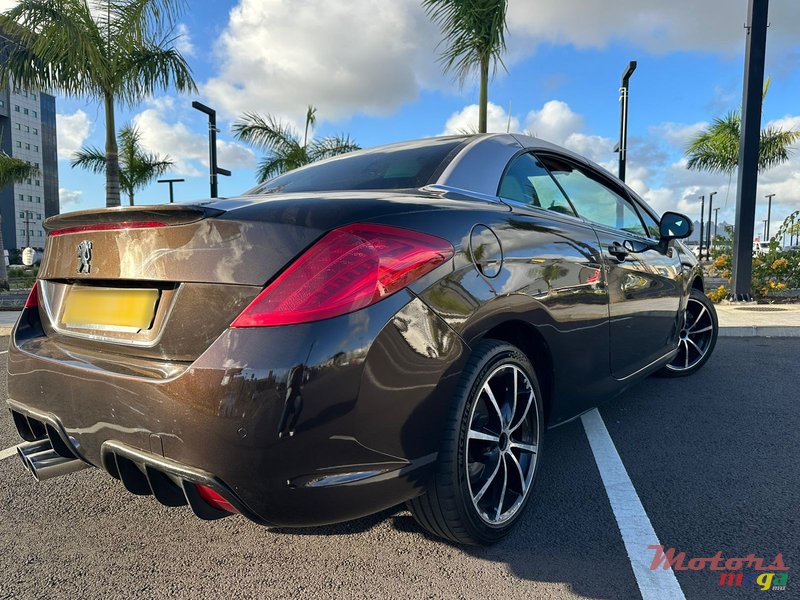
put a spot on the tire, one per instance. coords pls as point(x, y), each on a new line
point(698, 340)
point(489, 457)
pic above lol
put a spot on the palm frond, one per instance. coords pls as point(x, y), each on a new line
point(271, 166)
point(474, 32)
point(775, 147)
point(140, 18)
point(281, 144)
point(331, 146)
point(14, 170)
point(137, 168)
point(148, 67)
point(56, 46)
point(716, 149)
point(267, 133)
point(90, 158)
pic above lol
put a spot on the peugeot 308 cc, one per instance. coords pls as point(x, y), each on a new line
point(399, 324)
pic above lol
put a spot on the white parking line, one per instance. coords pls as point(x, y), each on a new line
point(8, 452)
point(4, 352)
point(634, 524)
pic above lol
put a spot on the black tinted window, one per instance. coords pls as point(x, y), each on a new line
point(527, 181)
point(593, 199)
point(396, 167)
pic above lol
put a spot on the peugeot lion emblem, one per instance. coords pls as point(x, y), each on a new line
point(85, 256)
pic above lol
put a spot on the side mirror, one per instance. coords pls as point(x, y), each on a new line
point(675, 226)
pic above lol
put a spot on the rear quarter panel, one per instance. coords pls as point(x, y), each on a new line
point(549, 276)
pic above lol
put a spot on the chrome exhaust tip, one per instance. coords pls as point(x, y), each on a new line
point(45, 463)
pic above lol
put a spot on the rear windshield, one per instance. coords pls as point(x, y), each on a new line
point(399, 166)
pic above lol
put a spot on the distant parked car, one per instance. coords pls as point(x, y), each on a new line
point(760, 248)
point(393, 325)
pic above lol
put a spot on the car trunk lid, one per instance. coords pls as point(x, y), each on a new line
point(157, 282)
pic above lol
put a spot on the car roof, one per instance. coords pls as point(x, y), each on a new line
point(482, 159)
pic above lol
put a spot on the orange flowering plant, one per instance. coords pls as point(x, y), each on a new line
point(773, 272)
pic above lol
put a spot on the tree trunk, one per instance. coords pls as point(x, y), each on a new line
point(112, 156)
point(484, 98)
point(130, 198)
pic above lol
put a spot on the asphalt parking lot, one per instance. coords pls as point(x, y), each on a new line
point(714, 460)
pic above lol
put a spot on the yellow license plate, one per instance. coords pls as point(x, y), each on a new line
point(109, 308)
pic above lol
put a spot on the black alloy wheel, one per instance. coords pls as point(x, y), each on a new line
point(491, 449)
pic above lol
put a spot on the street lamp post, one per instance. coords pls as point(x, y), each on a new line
point(213, 169)
point(623, 126)
point(716, 214)
point(702, 220)
point(708, 231)
point(769, 198)
point(170, 182)
point(766, 229)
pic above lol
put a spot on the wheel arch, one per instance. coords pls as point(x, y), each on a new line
point(530, 341)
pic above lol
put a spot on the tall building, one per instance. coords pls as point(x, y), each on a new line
point(28, 132)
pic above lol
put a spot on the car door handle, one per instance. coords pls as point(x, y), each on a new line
point(618, 251)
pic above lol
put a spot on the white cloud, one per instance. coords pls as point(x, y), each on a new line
point(69, 198)
point(654, 25)
point(656, 167)
point(554, 122)
point(277, 56)
point(786, 123)
point(373, 56)
point(466, 120)
point(189, 150)
point(677, 134)
point(72, 133)
point(184, 42)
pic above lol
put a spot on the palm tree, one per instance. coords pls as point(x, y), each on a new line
point(137, 168)
point(12, 170)
point(474, 31)
point(282, 146)
point(716, 148)
point(109, 50)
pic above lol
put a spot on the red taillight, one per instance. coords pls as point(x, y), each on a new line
point(214, 498)
point(348, 269)
point(33, 296)
point(108, 227)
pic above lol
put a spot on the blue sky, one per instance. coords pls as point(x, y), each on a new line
point(370, 68)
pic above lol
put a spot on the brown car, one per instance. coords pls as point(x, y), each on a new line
point(394, 325)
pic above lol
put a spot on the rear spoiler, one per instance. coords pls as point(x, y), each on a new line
point(129, 216)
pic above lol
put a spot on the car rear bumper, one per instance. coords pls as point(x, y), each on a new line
point(294, 426)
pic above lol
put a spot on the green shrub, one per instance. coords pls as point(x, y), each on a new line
point(772, 272)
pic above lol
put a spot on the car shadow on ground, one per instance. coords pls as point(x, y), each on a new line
point(567, 536)
point(347, 528)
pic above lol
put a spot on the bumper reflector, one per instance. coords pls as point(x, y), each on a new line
point(214, 499)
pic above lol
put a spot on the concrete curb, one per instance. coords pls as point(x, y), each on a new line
point(765, 331)
point(6, 330)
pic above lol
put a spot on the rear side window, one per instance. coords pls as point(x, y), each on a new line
point(528, 182)
point(594, 200)
point(395, 167)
